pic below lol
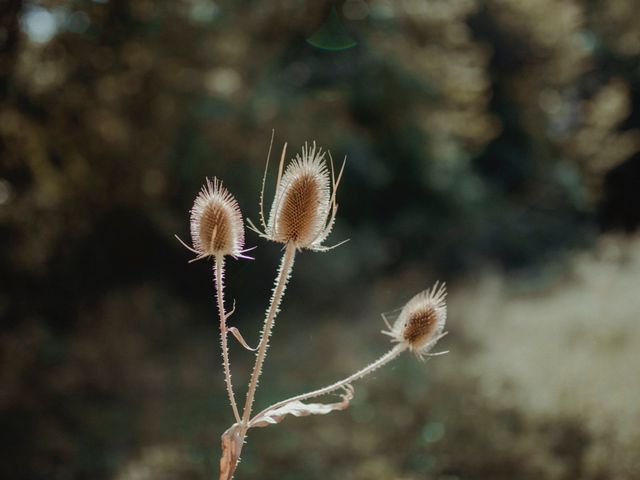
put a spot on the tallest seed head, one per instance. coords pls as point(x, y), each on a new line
point(216, 222)
point(304, 207)
point(301, 205)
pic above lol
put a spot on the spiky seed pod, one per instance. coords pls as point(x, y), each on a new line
point(421, 321)
point(216, 222)
point(304, 207)
point(302, 202)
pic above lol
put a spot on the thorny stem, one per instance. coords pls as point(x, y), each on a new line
point(219, 273)
point(384, 359)
point(284, 272)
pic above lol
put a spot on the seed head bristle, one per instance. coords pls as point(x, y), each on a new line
point(216, 222)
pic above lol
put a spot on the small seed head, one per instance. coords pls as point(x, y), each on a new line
point(421, 321)
point(216, 222)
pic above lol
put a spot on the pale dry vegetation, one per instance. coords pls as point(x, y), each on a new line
point(539, 384)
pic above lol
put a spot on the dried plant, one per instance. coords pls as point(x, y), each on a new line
point(302, 215)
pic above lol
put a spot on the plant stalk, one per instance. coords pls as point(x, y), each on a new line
point(383, 360)
point(233, 438)
point(219, 274)
point(284, 272)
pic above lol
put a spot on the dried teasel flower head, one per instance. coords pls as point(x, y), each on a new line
point(304, 207)
point(421, 321)
point(216, 223)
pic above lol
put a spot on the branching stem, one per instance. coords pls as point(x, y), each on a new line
point(219, 274)
point(383, 360)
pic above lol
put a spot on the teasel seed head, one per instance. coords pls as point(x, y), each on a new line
point(304, 207)
point(216, 223)
point(301, 205)
point(421, 321)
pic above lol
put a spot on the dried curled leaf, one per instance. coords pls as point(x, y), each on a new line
point(231, 447)
point(236, 333)
point(300, 409)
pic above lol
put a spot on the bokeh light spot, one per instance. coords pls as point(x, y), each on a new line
point(223, 81)
point(203, 11)
point(5, 192)
point(433, 432)
point(78, 22)
point(39, 24)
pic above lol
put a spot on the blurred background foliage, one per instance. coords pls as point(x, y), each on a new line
point(480, 135)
